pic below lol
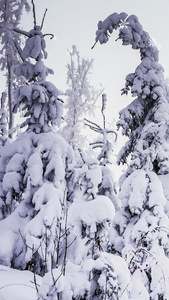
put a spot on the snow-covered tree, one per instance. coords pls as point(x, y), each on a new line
point(141, 227)
point(10, 16)
point(145, 120)
point(33, 170)
point(81, 97)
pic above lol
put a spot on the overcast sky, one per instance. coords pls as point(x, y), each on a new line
point(74, 22)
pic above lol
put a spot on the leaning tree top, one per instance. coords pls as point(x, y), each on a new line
point(130, 32)
point(145, 120)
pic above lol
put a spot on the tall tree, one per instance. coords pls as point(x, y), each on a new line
point(10, 15)
point(30, 167)
point(145, 120)
point(141, 226)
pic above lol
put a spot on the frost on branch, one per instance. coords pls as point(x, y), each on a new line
point(81, 97)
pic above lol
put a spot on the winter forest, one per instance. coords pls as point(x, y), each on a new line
point(68, 229)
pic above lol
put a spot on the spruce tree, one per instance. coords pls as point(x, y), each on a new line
point(140, 229)
point(145, 120)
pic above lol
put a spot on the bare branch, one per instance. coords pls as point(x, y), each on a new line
point(52, 35)
point(94, 45)
point(18, 49)
point(22, 32)
point(34, 13)
point(43, 19)
point(90, 122)
point(24, 240)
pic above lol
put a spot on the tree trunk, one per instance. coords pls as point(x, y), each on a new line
point(10, 95)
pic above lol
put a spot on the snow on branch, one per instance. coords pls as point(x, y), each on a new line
point(103, 142)
point(130, 32)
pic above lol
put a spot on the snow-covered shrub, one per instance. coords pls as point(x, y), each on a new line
point(91, 272)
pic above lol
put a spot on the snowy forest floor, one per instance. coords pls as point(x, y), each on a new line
point(17, 285)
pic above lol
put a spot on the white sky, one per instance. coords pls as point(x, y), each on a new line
point(74, 22)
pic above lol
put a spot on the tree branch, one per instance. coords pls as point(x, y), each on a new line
point(43, 19)
point(34, 13)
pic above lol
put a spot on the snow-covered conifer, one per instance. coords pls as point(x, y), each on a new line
point(140, 227)
point(39, 100)
point(145, 120)
point(34, 171)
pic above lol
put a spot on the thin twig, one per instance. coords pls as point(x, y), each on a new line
point(22, 32)
point(24, 240)
point(52, 35)
point(34, 13)
point(94, 45)
point(43, 18)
